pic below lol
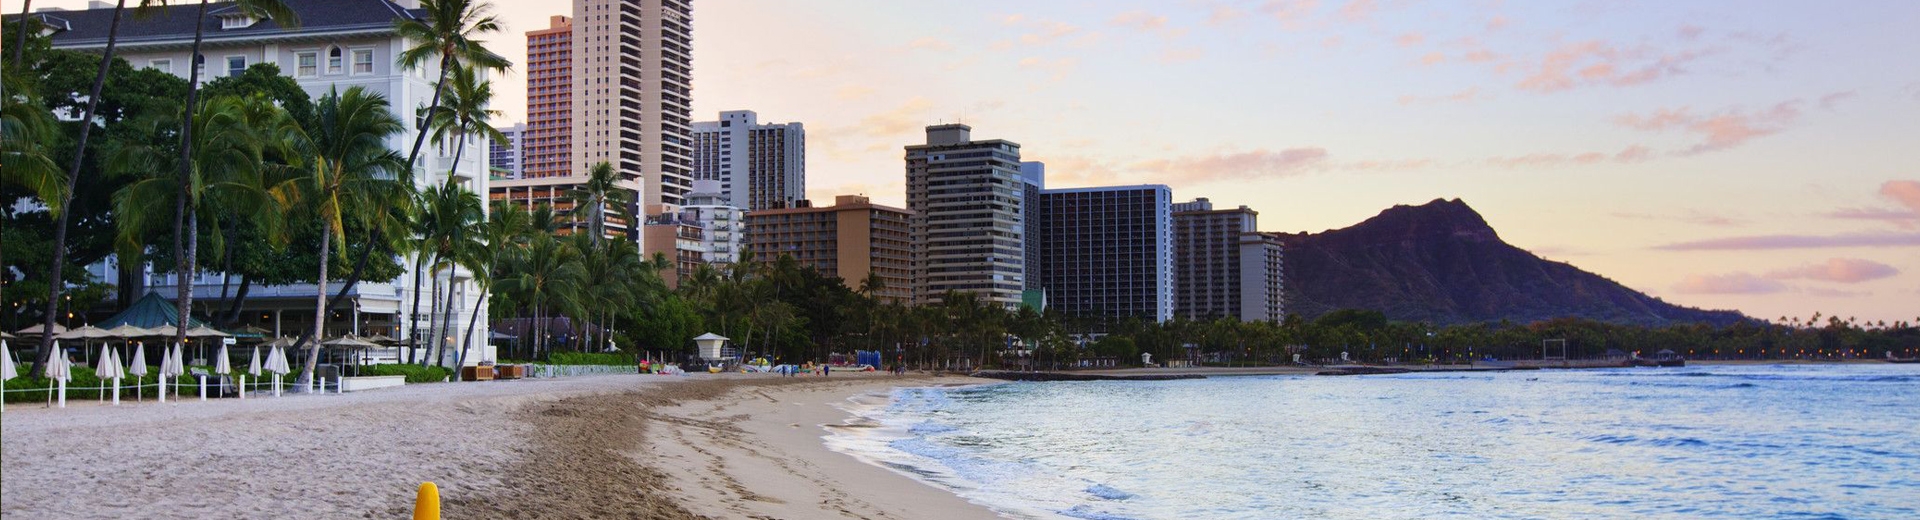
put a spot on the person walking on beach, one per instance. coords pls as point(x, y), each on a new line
point(826, 370)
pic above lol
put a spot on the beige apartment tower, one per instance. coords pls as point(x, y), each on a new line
point(968, 200)
point(632, 93)
point(849, 239)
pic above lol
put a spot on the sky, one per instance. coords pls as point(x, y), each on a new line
point(1762, 156)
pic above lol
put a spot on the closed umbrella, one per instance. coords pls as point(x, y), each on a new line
point(138, 369)
point(220, 366)
point(253, 369)
point(277, 364)
point(60, 371)
point(7, 370)
point(106, 368)
point(166, 365)
point(118, 372)
point(177, 368)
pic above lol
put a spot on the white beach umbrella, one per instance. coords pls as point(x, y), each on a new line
point(253, 369)
point(277, 364)
point(138, 368)
point(220, 364)
point(60, 371)
point(177, 368)
point(106, 368)
point(118, 372)
point(166, 365)
point(7, 370)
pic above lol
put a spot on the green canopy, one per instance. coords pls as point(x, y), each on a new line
point(150, 312)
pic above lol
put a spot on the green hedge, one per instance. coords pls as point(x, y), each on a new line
point(414, 373)
point(580, 358)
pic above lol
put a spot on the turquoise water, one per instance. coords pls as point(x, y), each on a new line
point(1803, 441)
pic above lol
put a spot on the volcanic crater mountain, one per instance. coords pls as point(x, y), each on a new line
point(1441, 263)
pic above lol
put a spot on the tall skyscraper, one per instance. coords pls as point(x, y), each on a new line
point(504, 158)
point(1035, 175)
point(1108, 251)
point(611, 84)
point(850, 239)
point(1225, 267)
point(632, 93)
point(546, 147)
point(968, 200)
point(759, 166)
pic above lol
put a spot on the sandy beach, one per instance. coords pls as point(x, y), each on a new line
point(619, 446)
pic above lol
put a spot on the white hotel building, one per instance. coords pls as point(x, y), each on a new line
point(339, 44)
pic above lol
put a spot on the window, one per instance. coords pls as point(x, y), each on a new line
point(236, 65)
point(363, 61)
point(335, 61)
point(161, 65)
point(306, 64)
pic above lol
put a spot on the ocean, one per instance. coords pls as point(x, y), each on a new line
point(1752, 441)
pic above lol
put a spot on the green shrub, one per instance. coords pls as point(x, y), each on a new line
point(29, 390)
point(414, 373)
point(580, 358)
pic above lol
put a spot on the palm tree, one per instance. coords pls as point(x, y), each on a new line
point(464, 114)
point(505, 235)
point(348, 165)
point(547, 277)
point(449, 32)
point(451, 220)
point(185, 249)
point(54, 284)
point(601, 190)
point(225, 174)
point(26, 161)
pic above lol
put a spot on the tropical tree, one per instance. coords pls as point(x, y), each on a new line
point(347, 165)
point(546, 278)
point(600, 191)
point(450, 33)
point(464, 114)
point(26, 159)
point(451, 226)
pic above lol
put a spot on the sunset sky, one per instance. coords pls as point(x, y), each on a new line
point(1759, 156)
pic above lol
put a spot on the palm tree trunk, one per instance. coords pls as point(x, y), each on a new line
point(433, 318)
point(20, 35)
point(413, 318)
point(186, 256)
point(319, 303)
point(446, 68)
point(54, 279)
point(473, 320)
point(239, 296)
point(451, 316)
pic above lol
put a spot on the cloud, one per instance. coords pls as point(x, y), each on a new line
point(1056, 69)
point(1181, 55)
point(1464, 96)
point(1778, 242)
point(1359, 10)
point(1690, 217)
point(1907, 193)
point(930, 43)
point(1595, 62)
point(1248, 165)
point(1903, 219)
point(899, 123)
point(1045, 32)
point(1631, 154)
point(1223, 13)
point(1829, 101)
point(1140, 21)
point(1690, 32)
point(1726, 129)
point(1410, 39)
point(1734, 283)
point(1013, 19)
point(853, 92)
point(1290, 12)
point(1839, 270)
point(1481, 56)
point(1384, 165)
point(1497, 23)
point(1824, 292)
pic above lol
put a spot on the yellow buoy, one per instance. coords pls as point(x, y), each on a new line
point(426, 503)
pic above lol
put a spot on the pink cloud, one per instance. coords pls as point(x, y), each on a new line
point(1290, 12)
point(1727, 129)
point(1907, 193)
point(1409, 39)
point(1595, 62)
point(1690, 32)
point(1497, 23)
point(1222, 13)
point(1840, 270)
point(1635, 153)
point(1248, 165)
point(930, 43)
point(1481, 56)
point(1359, 10)
point(1830, 101)
point(1824, 292)
point(1734, 283)
point(1181, 55)
point(1690, 217)
point(1901, 218)
point(1433, 58)
point(1776, 242)
point(1140, 20)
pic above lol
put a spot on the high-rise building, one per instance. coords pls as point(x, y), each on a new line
point(503, 159)
point(546, 147)
point(338, 44)
point(1108, 251)
point(759, 166)
point(682, 240)
point(615, 89)
point(723, 225)
point(1225, 267)
point(850, 239)
point(968, 200)
point(632, 93)
point(1035, 175)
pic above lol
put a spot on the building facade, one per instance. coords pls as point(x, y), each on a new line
point(968, 201)
point(850, 239)
point(1108, 251)
point(503, 159)
point(546, 148)
point(1224, 267)
point(339, 44)
point(759, 166)
point(632, 93)
point(1035, 175)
